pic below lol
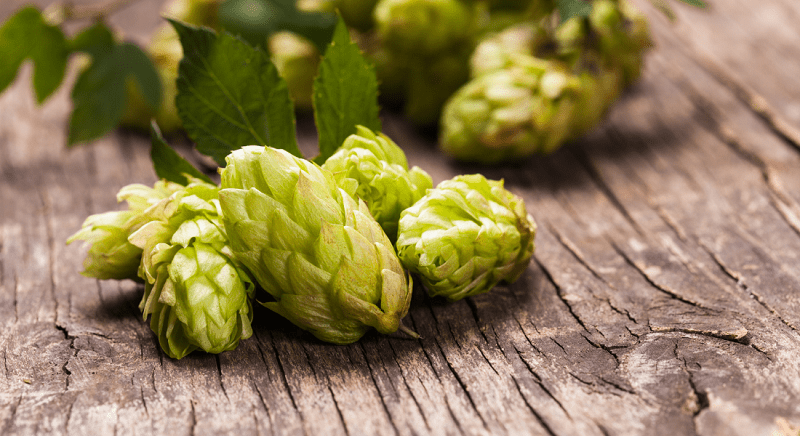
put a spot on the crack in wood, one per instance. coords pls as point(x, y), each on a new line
point(652, 282)
point(327, 380)
point(781, 200)
point(219, 375)
point(606, 348)
point(16, 298)
point(597, 179)
point(261, 355)
point(338, 409)
point(6, 372)
point(462, 385)
point(153, 380)
point(564, 350)
point(282, 375)
point(266, 406)
point(193, 417)
point(540, 382)
point(453, 335)
point(740, 282)
point(702, 402)
point(378, 389)
point(474, 310)
point(480, 350)
point(74, 353)
point(617, 385)
point(408, 387)
point(754, 101)
point(144, 402)
point(533, 411)
point(575, 251)
point(560, 293)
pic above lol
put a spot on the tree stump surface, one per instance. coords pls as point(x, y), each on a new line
point(663, 297)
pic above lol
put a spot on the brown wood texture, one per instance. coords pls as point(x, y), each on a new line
point(663, 297)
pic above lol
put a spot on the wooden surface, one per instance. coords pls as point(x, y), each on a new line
point(663, 299)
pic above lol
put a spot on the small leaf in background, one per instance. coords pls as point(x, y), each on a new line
point(697, 3)
point(99, 94)
point(168, 163)
point(230, 95)
point(256, 20)
point(345, 94)
point(573, 8)
point(665, 8)
point(27, 36)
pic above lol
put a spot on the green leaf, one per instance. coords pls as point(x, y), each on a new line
point(573, 8)
point(255, 20)
point(230, 95)
point(27, 36)
point(697, 3)
point(345, 94)
point(138, 65)
point(168, 163)
point(99, 94)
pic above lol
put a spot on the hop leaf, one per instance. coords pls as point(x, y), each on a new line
point(465, 236)
point(373, 168)
point(316, 250)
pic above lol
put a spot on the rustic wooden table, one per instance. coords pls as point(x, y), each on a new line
point(663, 298)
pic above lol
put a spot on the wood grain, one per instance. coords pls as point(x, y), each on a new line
point(663, 297)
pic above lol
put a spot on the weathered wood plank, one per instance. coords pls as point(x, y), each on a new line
point(663, 297)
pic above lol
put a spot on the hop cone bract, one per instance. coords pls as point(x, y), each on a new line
point(373, 168)
point(110, 255)
point(309, 244)
point(196, 294)
point(465, 236)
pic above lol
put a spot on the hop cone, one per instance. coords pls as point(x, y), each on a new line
point(623, 36)
point(374, 169)
point(197, 296)
point(533, 89)
point(110, 255)
point(316, 250)
point(513, 112)
point(357, 13)
point(498, 51)
point(297, 60)
point(423, 27)
point(465, 236)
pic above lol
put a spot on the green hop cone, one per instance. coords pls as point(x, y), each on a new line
point(111, 256)
point(373, 168)
point(297, 61)
point(622, 34)
point(309, 244)
point(357, 13)
point(196, 294)
point(465, 236)
point(511, 113)
point(430, 82)
point(423, 27)
point(498, 51)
